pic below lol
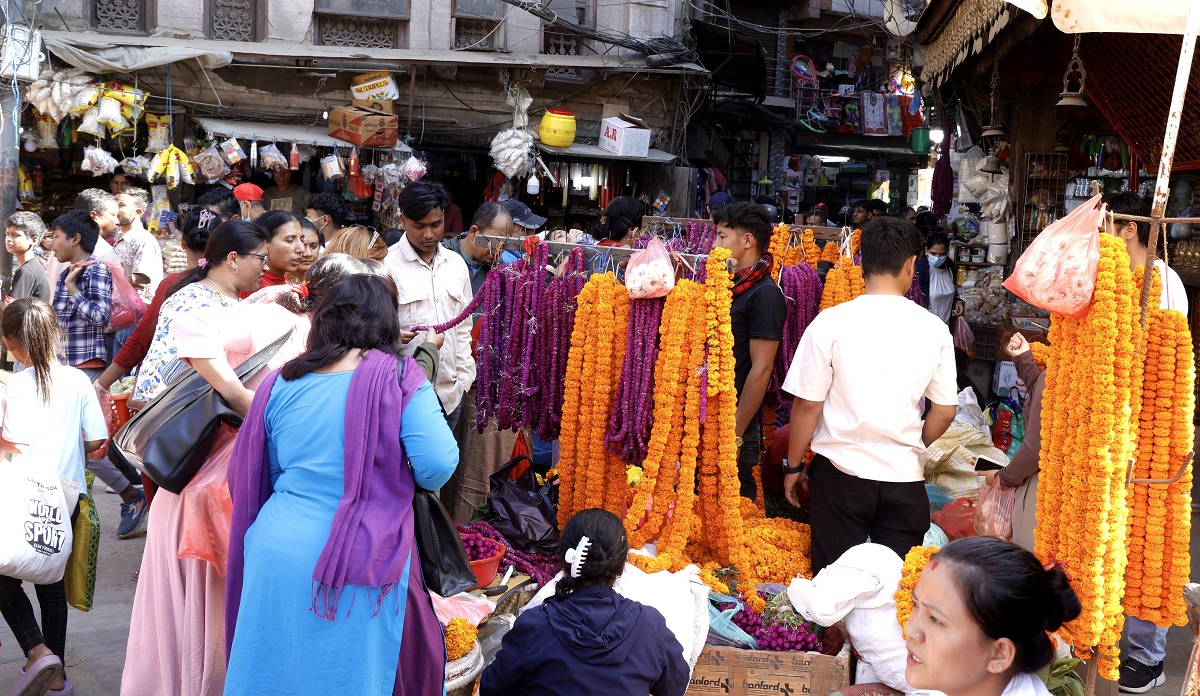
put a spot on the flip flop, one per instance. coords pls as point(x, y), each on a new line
point(36, 680)
point(67, 690)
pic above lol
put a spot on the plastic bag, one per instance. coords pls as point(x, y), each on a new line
point(957, 519)
point(232, 151)
point(212, 165)
point(463, 605)
point(158, 132)
point(127, 306)
point(722, 631)
point(331, 168)
point(1058, 270)
point(964, 337)
point(90, 123)
point(80, 577)
point(97, 161)
point(413, 168)
point(650, 273)
point(994, 515)
point(110, 113)
point(270, 157)
point(35, 514)
point(525, 513)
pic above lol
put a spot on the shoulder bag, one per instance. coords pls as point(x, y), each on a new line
point(170, 438)
point(444, 563)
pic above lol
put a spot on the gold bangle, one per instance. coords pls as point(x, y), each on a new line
point(740, 442)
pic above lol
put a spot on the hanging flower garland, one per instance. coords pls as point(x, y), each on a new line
point(830, 254)
point(914, 563)
point(1087, 405)
point(630, 421)
point(778, 249)
point(572, 410)
point(855, 243)
point(812, 251)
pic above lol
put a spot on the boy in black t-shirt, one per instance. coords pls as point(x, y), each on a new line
point(758, 311)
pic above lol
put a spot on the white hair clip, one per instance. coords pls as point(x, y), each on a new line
point(578, 556)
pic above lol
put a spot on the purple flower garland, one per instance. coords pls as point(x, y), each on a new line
point(537, 566)
point(631, 417)
point(802, 289)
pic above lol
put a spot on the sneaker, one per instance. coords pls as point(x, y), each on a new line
point(109, 489)
point(1137, 678)
point(131, 516)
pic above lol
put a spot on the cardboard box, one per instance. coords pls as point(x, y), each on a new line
point(374, 86)
point(734, 672)
point(365, 127)
point(386, 107)
point(625, 135)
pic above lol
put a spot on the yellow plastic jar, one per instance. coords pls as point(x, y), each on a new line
point(558, 128)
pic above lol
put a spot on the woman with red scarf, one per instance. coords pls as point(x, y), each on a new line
point(758, 311)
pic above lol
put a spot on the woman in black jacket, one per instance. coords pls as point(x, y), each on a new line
point(936, 272)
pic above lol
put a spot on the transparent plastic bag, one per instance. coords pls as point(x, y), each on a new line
point(270, 157)
point(331, 168)
point(90, 123)
point(994, 514)
point(1058, 270)
point(232, 150)
point(957, 519)
point(127, 307)
point(650, 273)
point(964, 337)
point(212, 165)
point(413, 168)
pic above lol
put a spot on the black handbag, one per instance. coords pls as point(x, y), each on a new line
point(170, 438)
point(444, 563)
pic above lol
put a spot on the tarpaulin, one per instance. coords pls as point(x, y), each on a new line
point(101, 55)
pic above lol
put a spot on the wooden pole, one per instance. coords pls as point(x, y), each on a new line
point(1174, 116)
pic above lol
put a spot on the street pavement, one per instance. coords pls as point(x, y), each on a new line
point(96, 639)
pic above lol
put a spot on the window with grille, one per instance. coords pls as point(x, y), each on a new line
point(124, 16)
point(233, 20)
point(558, 43)
point(362, 23)
point(479, 25)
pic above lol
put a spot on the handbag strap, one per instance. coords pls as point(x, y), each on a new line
point(261, 357)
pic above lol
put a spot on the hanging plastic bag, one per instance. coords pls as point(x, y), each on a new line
point(994, 514)
point(294, 158)
point(110, 113)
point(127, 307)
point(212, 165)
point(957, 519)
point(97, 161)
point(270, 158)
point(80, 576)
point(158, 132)
point(1058, 270)
point(35, 520)
point(331, 168)
point(90, 123)
point(233, 152)
point(964, 337)
point(413, 168)
point(650, 273)
point(524, 512)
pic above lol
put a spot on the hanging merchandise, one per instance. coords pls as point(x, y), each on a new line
point(90, 123)
point(650, 272)
point(161, 203)
point(211, 165)
point(352, 163)
point(110, 114)
point(131, 103)
point(232, 151)
point(294, 158)
point(137, 166)
point(173, 164)
point(331, 168)
point(511, 152)
point(270, 158)
point(47, 132)
point(97, 161)
point(158, 132)
point(56, 94)
point(413, 168)
point(253, 154)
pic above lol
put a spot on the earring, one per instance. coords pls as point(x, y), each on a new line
point(235, 269)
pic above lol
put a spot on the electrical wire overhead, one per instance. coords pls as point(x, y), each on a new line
point(664, 50)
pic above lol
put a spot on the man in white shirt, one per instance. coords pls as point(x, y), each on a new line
point(137, 249)
point(102, 207)
point(858, 377)
point(1142, 663)
point(434, 287)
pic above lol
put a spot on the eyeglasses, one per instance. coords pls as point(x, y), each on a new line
point(261, 257)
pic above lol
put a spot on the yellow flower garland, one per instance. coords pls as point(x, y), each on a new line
point(812, 251)
point(460, 638)
point(778, 248)
point(572, 396)
point(914, 563)
point(830, 254)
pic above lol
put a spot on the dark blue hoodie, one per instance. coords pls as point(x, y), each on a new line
point(593, 642)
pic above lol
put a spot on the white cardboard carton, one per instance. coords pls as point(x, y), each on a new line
point(625, 135)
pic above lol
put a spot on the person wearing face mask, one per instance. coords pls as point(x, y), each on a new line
point(935, 271)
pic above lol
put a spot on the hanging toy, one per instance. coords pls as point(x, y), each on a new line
point(294, 158)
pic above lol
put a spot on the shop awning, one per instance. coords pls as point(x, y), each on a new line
point(277, 132)
point(956, 31)
point(100, 53)
point(585, 151)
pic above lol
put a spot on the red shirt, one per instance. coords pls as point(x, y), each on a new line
point(138, 344)
point(269, 279)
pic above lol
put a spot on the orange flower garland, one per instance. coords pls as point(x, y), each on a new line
point(1087, 405)
point(855, 242)
point(460, 638)
point(812, 252)
point(778, 248)
point(914, 563)
point(830, 254)
point(855, 278)
point(572, 394)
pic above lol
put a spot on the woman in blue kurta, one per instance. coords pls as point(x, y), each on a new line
point(324, 587)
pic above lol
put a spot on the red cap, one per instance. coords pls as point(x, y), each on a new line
point(247, 192)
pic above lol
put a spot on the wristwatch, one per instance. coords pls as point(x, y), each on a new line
point(791, 469)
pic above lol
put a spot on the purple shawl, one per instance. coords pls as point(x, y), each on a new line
point(369, 543)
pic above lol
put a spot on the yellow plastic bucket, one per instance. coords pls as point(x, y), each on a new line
point(558, 128)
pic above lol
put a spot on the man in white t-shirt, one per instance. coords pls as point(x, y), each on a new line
point(858, 378)
point(1142, 663)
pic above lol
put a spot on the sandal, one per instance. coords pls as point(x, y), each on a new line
point(36, 680)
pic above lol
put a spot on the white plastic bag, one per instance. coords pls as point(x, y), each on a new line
point(270, 158)
point(35, 521)
point(650, 273)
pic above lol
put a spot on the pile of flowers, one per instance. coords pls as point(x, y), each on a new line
point(1160, 516)
point(1092, 394)
point(778, 627)
point(481, 535)
point(460, 638)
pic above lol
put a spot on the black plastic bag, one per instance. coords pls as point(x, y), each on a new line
point(524, 512)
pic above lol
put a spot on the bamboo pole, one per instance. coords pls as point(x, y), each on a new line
point(1162, 186)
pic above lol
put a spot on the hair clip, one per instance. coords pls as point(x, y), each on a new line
point(206, 217)
point(202, 263)
point(300, 289)
point(578, 556)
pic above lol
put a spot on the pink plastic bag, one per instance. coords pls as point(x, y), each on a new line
point(994, 514)
point(650, 272)
point(957, 519)
point(964, 337)
point(1058, 270)
point(127, 307)
point(206, 508)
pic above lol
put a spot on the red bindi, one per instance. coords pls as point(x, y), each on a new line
point(933, 564)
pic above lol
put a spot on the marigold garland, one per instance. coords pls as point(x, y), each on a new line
point(778, 249)
point(460, 638)
point(812, 251)
point(914, 563)
point(855, 242)
point(1159, 560)
point(1093, 379)
point(830, 253)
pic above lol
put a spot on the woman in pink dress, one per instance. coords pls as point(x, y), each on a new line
point(177, 632)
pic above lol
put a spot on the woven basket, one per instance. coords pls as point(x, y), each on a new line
point(462, 673)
